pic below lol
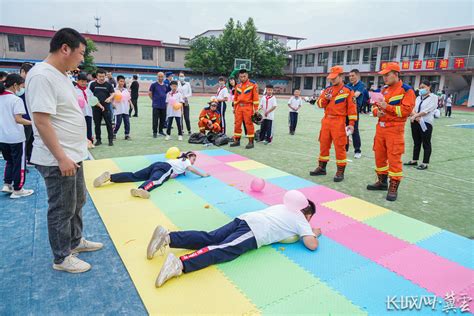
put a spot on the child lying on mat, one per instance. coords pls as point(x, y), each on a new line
point(154, 175)
point(246, 232)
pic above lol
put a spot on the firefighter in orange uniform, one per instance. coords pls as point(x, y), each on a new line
point(389, 142)
point(245, 105)
point(209, 118)
point(338, 102)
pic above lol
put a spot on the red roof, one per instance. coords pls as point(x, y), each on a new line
point(394, 37)
point(97, 38)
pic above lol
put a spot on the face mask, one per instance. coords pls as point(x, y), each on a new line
point(423, 92)
point(181, 79)
point(20, 92)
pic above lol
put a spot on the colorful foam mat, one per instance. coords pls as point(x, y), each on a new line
point(370, 259)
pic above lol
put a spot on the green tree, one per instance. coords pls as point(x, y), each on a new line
point(89, 65)
point(202, 57)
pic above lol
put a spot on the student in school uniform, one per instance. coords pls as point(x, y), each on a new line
point(12, 136)
point(185, 89)
point(247, 232)
point(268, 105)
point(154, 175)
point(222, 96)
point(294, 104)
point(122, 108)
point(174, 108)
point(83, 95)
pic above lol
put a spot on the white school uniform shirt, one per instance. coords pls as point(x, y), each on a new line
point(276, 223)
point(179, 165)
point(172, 98)
point(123, 106)
point(223, 93)
point(295, 103)
point(449, 101)
point(10, 131)
point(429, 105)
point(50, 91)
point(267, 103)
point(185, 90)
point(87, 109)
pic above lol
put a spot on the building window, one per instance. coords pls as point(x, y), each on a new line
point(309, 60)
point(320, 83)
point(323, 59)
point(409, 80)
point(410, 51)
point(369, 55)
point(435, 49)
point(299, 60)
point(297, 83)
point(268, 37)
point(337, 57)
point(308, 83)
point(385, 53)
point(393, 53)
point(169, 54)
point(16, 43)
point(353, 56)
point(147, 53)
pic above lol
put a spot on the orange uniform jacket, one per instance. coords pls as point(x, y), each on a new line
point(246, 94)
point(400, 98)
point(342, 103)
point(208, 115)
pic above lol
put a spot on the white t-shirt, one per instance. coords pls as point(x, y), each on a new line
point(223, 93)
point(295, 103)
point(10, 131)
point(172, 98)
point(449, 101)
point(87, 109)
point(185, 90)
point(50, 91)
point(429, 105)
point(179, 166)
point(267, 104)
point(276, 223)
point(123, 106)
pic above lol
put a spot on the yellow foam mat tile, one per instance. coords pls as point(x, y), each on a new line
point(356, 208)
point(130, 223)
point(246, 164)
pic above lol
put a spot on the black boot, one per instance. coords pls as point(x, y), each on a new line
point(380, 185)
point(320, 170)
point(250, 144)
point(339, 174)
point(236, 143)
point(392, 190)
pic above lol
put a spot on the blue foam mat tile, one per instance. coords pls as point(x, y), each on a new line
point(327, 262)
point(451, 246)
point(105, 289)
point(216, 152)
point(291, 182)
point(156, 157)
point(234, 208)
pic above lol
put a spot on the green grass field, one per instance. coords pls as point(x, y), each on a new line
point(441, 195)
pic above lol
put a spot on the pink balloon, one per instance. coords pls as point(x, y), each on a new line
point(81, 101)
point(295, 201)
point(257, 184)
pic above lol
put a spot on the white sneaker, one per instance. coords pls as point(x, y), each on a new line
point(21, 193)
point(167, 137)
point(86, 245)
point(7, 188)
point(159, 241)
point(144, 194)
point(72, 264)
point(180, 137)
point(103, 178)
point(173, 267)
point(358, 155)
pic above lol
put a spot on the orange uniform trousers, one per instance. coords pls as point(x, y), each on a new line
point(243, 113)
point(333, 130)
point(389, 146)
point(215, 128)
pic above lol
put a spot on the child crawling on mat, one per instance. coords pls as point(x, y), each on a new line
point(246, 232)
point(154, 175)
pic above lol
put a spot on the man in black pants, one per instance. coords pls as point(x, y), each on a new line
point(134, 88)
point(103, 91)
point(157, 94)
point(362, 96)
point(25, 67)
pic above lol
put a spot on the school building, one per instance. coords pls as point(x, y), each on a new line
point(444, 56)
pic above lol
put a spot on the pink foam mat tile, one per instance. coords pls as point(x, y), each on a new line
point(328, 220)
point(430, 271)
point(322, 194)
point(230, 158)
point(218, 168)
point(205, 160)
point(367, 241)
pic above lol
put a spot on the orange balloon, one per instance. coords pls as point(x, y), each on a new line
point(118, 96)
point(177, 106)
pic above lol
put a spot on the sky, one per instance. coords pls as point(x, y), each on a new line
point(321, 22)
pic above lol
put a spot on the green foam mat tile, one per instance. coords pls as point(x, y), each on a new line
point(131, 164)
point(403, 227)
point(267, 173)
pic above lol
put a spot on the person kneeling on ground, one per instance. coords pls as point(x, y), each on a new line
point(246, 232)
point(210, 119)
point(154, 175)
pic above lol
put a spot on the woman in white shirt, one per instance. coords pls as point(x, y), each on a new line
point(12, 136)
point(449, 104)
point(422, 119)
